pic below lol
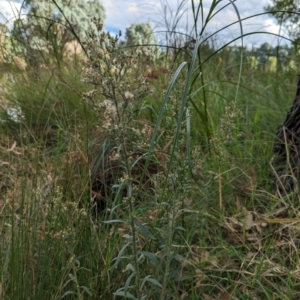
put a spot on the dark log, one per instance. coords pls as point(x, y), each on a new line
point(286, 159)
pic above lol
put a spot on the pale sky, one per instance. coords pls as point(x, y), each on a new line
point(121, 13)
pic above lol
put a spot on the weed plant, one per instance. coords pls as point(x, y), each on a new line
point(124, 179)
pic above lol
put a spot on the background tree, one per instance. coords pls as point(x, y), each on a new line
point(49, 27)
point(139, 34)
point(3, 41)
point(285, 11)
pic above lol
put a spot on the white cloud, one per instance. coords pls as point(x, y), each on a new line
point(133, 8)
point(9, 10)
point(121, 13)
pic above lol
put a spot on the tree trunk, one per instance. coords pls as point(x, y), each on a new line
point(286, 159)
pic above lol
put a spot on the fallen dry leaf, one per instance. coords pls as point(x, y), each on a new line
point(249, 223)
point(152, 214)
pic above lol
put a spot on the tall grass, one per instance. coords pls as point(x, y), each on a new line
point(110, 193)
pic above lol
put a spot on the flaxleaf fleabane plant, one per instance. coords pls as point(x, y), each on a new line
point(119, 88)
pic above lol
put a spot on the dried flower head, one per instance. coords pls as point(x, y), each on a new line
point(227, 131)
point(114, 73)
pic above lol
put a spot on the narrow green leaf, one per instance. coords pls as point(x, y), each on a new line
point(127, 236)
point(118, 258)
point(113, 221)
point(67, 293)
point(152, 257)
point(86, 289)
point(151, 280)
point(180, 228)
point(144, 230)
point(128, 281)
point(130, 267)
point(124, 294)
point(71, 276)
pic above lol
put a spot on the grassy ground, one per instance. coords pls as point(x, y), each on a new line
point(166, 192)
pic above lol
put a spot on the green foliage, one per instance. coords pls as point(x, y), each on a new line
point(182, 158)
point(50, 25)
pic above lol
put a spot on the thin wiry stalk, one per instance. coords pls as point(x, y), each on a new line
point(170, 20)
point(172, 156)
point(169, 246)
point(241, 65)
point(128, 167)
point(205, 22)
point(71, 28)
point(159, 119)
